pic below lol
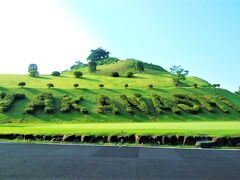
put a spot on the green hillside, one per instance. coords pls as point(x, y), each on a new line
point(15, 120)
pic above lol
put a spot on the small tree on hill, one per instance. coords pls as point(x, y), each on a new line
point(101, 86)
point(76, 85)
point(22, 84)
point(50, 85)
point(179, 72)
point(150, 86)
point(216, 85)
point(77, 74)
point(126, 86)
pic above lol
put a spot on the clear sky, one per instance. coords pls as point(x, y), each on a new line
point(201, 35)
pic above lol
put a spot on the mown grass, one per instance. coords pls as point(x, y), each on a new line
point(177, 128)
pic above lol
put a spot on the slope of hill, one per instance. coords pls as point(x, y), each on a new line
point(89, 89)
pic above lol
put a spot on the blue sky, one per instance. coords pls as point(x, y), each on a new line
point(201, 35)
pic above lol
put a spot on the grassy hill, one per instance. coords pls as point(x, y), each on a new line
point(74, 122)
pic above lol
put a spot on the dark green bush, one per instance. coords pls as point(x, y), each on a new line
point(126, 86)
point(130, 74)
point(7, 99)
point(101, 85)
point(150, 86)
point(77, 74)
point(22, 84)
point(56, 73)
point(195, 85)
point(44, 101)
point(115, 74)
point(76, 85)
point(50, 85)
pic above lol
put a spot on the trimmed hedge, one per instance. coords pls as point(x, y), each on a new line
point(44, 101)
point(137, 101)
point(160, 104)
point(7, 99)
point(69, 103)
point(228, 103)
point(105, 104)
point(217, 103)
point(204, 103)
point(187, 104)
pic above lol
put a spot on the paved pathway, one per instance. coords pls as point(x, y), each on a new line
point(44, 161)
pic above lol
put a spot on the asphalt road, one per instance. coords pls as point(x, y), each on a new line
point(43, 161)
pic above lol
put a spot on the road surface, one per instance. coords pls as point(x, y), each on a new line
point(47, 161)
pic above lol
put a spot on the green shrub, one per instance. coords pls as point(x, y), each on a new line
point(22, 84)
point(44, 101)
point(150, 86)
point(228, 103)
point(160, 104)
point(105, 104)
point(185, 103)
point(68, 103)
point(7, 99)
point(216, 85)
point(216, 103)
point(130, 74)
point(126, 103)
point(195, 85)
point(56, 73)
point(77, 74)
point(50, 85)
point(137, 102)
point(76, 85)
point(126, 86)
point(204, 103)
point(115, 74)
point(101, 86)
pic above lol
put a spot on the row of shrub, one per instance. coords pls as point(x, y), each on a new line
point(160, 104)
point(185, 103)
point(188, 103)
point(217, 103)
point(203, 102)
point(105, 104)
point(7, 99)
point(44, 101)
point(68, 103)
point(134, 102)
point(116, 74)
point(228, 103)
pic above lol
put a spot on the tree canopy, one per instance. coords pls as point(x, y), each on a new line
point(179, 72)
point(98, 54)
